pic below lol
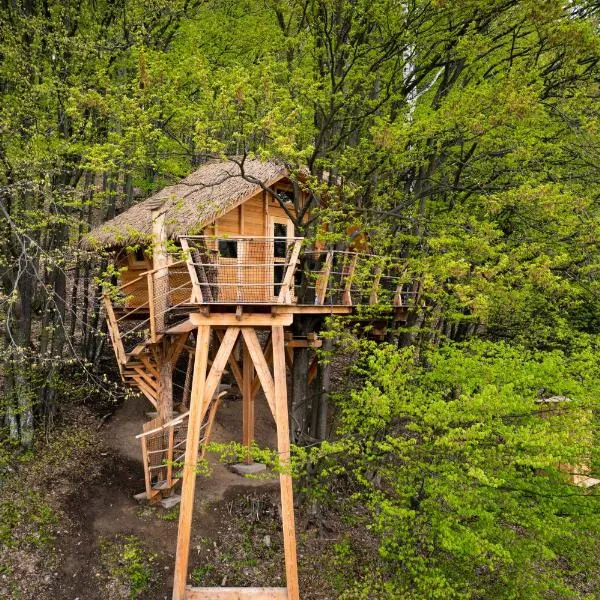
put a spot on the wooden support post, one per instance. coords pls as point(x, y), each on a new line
point(323, 279)
point(375, 286)
point(248, 400)
point(349, 278)
point(189, 261)
point(203, 389)
point(285, 477)
point(197, 411)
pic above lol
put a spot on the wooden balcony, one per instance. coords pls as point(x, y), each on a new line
point(210, 274)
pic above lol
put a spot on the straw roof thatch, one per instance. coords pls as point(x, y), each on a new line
point(196, 201)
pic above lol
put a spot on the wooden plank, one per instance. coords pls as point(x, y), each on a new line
point(147, 391)
point(349, 277)
point(196, 288)
point(197, 411)
point(260, 364)
point(248, 403)
point(183, 327)
point(284, 292)
point(227, 593)
point(247, 320)
point(323, 279)
point(285, 477)
point(310, 309)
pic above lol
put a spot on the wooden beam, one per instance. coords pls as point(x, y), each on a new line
point(197, 411)
point(268, 354)
point(311, 309)
point(176, 347)
point(216, 371)
point(189, 261)
point(349, 277)
point(211, 593)
point(285, 477)
point(323, 279)
point(248, 403)
point(284, 292)
point(183, 327)
point(235, 367)
point(260, 364)
point(246, 320)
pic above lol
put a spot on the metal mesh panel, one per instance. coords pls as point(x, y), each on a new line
point(240, 269)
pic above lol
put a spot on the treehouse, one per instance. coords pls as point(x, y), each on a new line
point(210, 275)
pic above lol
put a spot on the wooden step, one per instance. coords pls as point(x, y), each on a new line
point(182, 327)
point(231, 593)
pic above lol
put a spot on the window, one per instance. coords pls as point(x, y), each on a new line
point(284, 195)
point(228, 248)
point(139, 254)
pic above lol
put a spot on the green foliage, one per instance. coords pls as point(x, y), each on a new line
point(26, 520)
point(129, 562)
point(456, 467)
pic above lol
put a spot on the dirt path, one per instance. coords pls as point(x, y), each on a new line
point(105, 509)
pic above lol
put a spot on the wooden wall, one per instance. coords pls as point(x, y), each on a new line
point(252, 218)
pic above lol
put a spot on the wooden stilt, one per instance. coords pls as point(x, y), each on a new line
point(189, 467)
point(285, 478)
point(203, 388)
point(248, 401)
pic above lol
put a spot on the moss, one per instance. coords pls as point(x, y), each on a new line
point(26, 519)
point(130, 563)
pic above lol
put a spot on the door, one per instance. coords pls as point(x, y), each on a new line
point(281, 230)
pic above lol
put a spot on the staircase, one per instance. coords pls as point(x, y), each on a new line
point(163, 451)
point(140, 371)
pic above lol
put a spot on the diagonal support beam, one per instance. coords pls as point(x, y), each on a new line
point(260, 364)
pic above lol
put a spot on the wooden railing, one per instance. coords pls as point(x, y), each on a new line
point(164, 445)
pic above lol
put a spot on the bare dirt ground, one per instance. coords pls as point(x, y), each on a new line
point(107, 546)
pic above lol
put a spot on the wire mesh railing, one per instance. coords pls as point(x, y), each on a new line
point(344, 278)
point(249, 270)
point(242, 269)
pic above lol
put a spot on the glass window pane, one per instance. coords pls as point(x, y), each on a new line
point(228, 248)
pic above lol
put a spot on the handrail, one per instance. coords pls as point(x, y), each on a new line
point(176, 420)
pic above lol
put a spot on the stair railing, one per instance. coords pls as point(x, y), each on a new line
point(164, 446)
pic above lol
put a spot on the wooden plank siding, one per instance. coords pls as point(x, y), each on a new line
point(252, 218)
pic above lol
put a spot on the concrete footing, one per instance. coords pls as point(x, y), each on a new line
point(251, 469)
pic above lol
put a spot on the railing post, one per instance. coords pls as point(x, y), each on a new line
point(284, 292)
point(323, 279)
point(349, 277)
point(196, 288)
point(151, 307)
point(375, 286)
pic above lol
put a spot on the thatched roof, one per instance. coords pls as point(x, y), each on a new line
point(196, 201)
